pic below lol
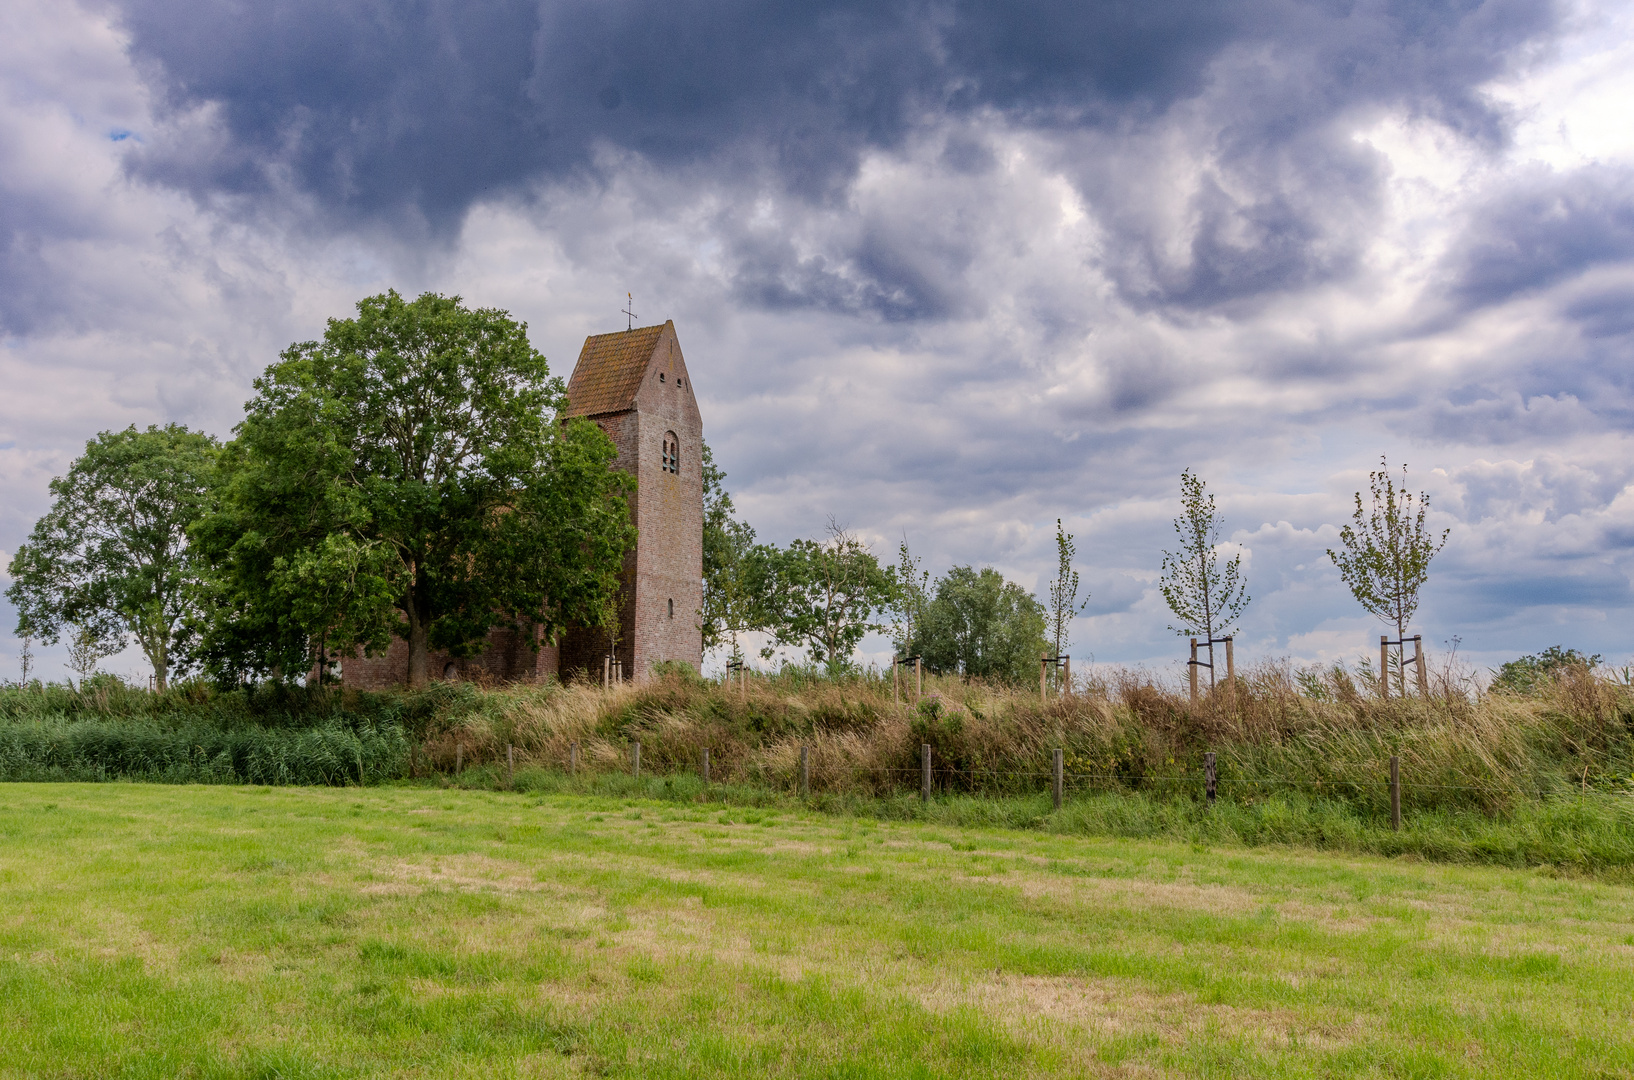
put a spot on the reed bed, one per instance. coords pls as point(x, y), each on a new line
point(1277, 729)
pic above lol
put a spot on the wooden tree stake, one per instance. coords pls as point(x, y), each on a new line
point(1192, 669)
point(1423, 675)
point(572, 759)
point(1395, 792)
point(638, 760)
point(1208, 776)
point(706, 764)
point(1384, 666)
point(510, 765)
point(1058, 778)
point(924, 772)
point(459, 758)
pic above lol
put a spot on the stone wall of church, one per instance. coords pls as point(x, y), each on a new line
point(506, 658)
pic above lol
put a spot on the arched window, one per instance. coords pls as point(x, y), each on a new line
point(672, 453)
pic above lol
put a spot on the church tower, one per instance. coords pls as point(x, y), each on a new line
point(635, 386)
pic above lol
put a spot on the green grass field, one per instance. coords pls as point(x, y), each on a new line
point(230, 931)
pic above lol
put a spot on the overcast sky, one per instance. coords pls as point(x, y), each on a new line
point(943, 269)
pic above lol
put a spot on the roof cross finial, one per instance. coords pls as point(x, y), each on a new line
point(629, 310)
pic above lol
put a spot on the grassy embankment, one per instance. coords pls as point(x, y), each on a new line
point(221, 931)
point(1543, 778)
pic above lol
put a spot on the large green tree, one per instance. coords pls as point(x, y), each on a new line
point(409, 475)
point(823, 595)
point(981, 626)
point(111, 557)
point(737, 571)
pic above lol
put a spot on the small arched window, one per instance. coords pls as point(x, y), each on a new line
point(672, 453)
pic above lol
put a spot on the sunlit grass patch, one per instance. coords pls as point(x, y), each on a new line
point(235, 932)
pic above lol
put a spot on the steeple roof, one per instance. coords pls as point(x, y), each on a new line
point(610, 370)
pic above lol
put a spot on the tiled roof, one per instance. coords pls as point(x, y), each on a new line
point(609, 371)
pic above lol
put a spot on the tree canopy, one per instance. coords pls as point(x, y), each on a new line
point(110, 559)
point(824, 595)
point(981, 626)
point(1205, 597)
point(408, 474)
point(1387, 548)
point(737, 572)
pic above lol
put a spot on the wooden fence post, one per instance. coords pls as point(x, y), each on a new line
point(1395, 792)
point(638, 760)
point(924, 772)
point(1192, 669)
point(1423, 675)
point(1208, 776)
point(572, 759)
point(805, 772)
point(510, 765)
point(1384, 666)
point(1058, 778)
point(918, 677)
point(706, 764)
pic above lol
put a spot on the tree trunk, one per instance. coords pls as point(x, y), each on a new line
point(419, 634)
point(160, 659)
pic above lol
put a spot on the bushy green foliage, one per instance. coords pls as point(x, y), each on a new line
point(201, 753)
point(407, 475)
point(109, 562)
point(981, 626)
point(1526, 674)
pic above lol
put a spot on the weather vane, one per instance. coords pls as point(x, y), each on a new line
point(628, 311)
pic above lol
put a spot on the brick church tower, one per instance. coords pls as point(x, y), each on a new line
point(634, 385)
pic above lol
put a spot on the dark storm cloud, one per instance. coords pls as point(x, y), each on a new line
point(1545, 232)
point(406, 114)
point(1605, 313)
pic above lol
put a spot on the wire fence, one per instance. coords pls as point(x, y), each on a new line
point(937, 778)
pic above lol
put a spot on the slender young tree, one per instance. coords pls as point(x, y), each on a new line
point(1386, 551)
point(111, 557)
point(1064, 603)
point(910, 592)
point(89, 647)
point(1205, 597)
point(25, 660)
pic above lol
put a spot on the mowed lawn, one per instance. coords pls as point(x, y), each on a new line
point(226, 931)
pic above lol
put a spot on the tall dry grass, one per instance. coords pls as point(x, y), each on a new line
point(1276, 729)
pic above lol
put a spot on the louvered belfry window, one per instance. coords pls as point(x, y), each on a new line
point(672, 453)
